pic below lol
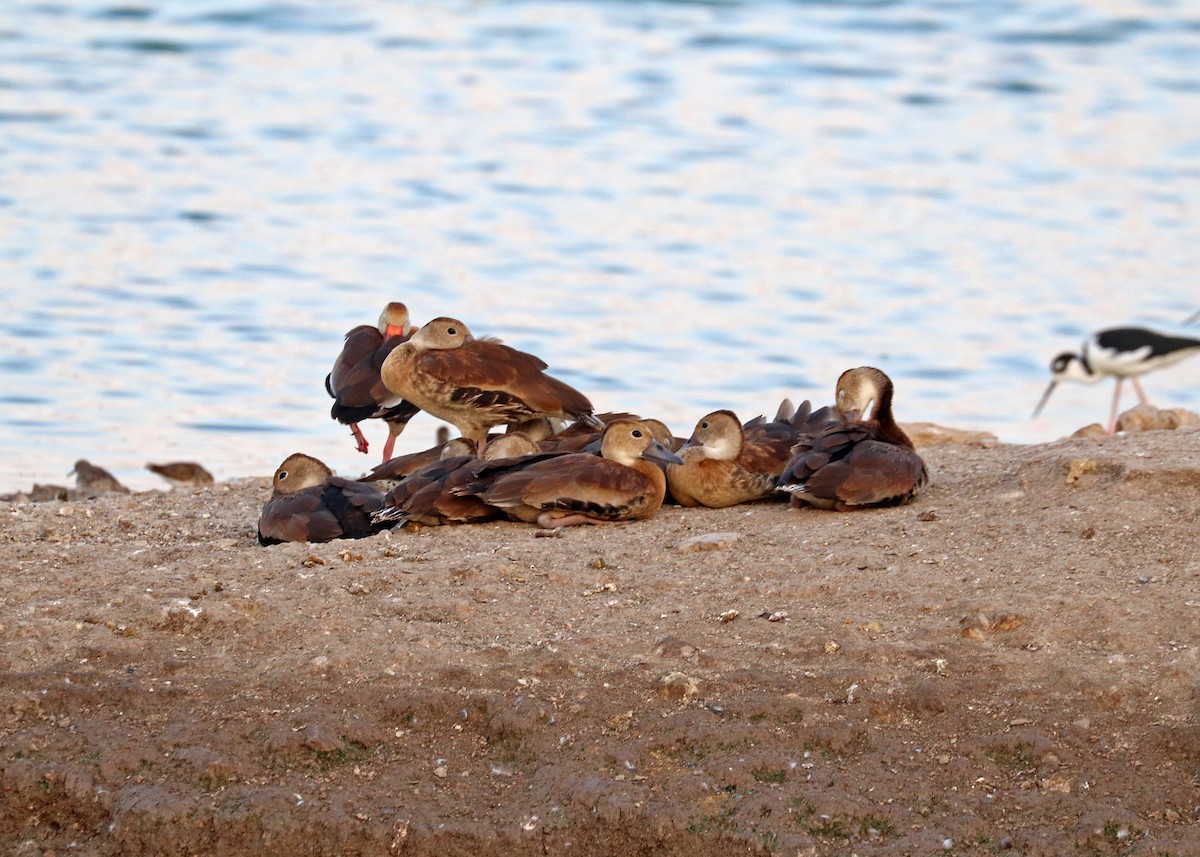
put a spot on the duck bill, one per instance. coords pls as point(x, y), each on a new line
point(657, 452)
point(1045, 396)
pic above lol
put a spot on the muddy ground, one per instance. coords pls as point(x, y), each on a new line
point(1011, 664)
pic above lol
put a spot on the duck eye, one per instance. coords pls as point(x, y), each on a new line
point(282, 474)
point(704, 424)
point(637, 432)
point(451, 331)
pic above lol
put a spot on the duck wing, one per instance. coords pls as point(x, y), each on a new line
point(576, 482)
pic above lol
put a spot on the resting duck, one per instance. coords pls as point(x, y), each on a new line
point(856, 462)
point(426, 495)
point(623, 483)
point(354, 383)
point(726, 463)
point(581, 437)
point(401, 466)
point(309, 504)
point(476, 384)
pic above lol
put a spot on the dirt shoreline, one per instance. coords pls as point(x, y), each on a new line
point(1010, 664)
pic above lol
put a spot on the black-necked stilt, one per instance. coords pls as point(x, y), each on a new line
point(1119, 352)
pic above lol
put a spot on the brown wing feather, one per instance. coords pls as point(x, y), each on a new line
point(297, 517)
point(880, 473)
point(846, 463)
point(352, 502)
point(811, 453)
point(424, 497)
point(768, 448)
point(568, 481)
point(481, 363)
point(354, 375)
point(490, 366)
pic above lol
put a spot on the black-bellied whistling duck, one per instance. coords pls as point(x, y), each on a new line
point(309, 504)
point(726, 463)
point(354, 383)
point(856, 462)
point(623, 483)
point(183, 474)
point(94, 481)
point(476, 384)
point(1119, 352)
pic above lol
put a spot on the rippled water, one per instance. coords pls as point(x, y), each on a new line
point(680, 206)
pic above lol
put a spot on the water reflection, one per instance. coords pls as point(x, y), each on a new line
point(681, 206)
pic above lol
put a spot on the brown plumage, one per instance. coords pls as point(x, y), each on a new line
point(354, 383)
point(726, 463)
point(93, 481)
point(182, 474)
point(309, 504)
point(582, 437)
point(426, 495)
point(402, 466)
point(856, 462)
point(622, 484)
point(476, 384)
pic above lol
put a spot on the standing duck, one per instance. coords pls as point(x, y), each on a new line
point(309, 504)
point(354, 383)
point(856, 462)
point(623, 483)
point(476, 384)
point(1119, 352)
point(726, 463)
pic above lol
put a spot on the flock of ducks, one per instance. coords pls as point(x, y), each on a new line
point(558, 463)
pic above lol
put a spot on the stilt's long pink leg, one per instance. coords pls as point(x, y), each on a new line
point(1137, 385)
point(1112, 416)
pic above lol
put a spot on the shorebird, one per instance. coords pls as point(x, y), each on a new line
point(92, 480)
point(726, 463)
point(309, 504)
point(354, 383)
point(623, 483)
point(856, 461)
point(182, 474)
point(476, 384)
point(1119, 352)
